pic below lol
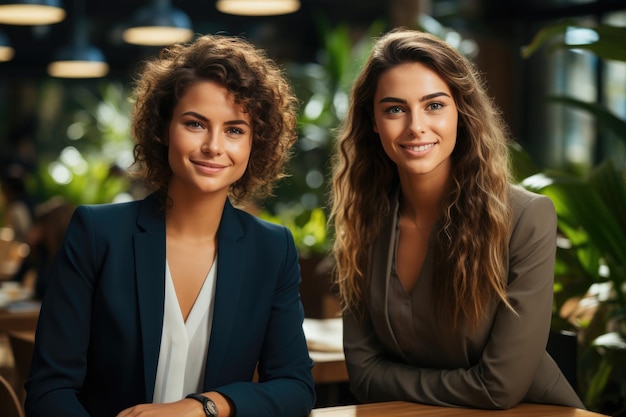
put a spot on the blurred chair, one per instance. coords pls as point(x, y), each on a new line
point(22, 344)
point(10, 404)
point(563, 348)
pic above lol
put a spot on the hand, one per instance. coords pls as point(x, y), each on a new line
point(182, 408)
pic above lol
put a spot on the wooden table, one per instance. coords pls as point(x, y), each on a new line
point(406, 409)
point(329, 367)
point(19, 318)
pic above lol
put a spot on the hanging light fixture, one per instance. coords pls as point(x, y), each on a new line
point(79, 59)
point(6, 50)
point(159, 24)
point(258, 7)
point(31, 12)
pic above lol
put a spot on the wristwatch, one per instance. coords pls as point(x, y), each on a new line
point(210, 409)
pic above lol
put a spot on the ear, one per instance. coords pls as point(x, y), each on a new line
point(374, 127)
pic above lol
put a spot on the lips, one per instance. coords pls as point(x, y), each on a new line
point(210, 165)
point(419, 148)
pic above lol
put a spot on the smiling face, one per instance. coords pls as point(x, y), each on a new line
point(416, 118)
point(210, 139)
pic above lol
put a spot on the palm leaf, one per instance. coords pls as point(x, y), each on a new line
point(579, 205)
point(608, 45)
point(605, 118)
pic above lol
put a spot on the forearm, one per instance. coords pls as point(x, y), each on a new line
point(394, 381)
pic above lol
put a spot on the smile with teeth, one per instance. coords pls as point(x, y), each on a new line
point(420, 148)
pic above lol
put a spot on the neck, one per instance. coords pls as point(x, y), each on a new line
point(194, 218)
point(420, 199)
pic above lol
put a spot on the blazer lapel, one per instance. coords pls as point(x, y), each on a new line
point(149, 246)
point(231, 264)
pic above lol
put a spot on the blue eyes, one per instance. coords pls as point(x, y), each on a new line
point(234, 131)
point(431, 107)
point(195, 125)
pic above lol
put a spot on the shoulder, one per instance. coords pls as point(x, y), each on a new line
point(524, 202)
point(109, 210)
point(254, 225)
point(264, 242)
point(115, 216)
point(533, 216)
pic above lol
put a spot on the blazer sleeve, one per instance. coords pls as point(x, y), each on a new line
point(60, 354)
point(515, 347)
point(285, 386)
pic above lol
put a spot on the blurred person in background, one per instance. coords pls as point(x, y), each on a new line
point(44, 238)
point(17, 205)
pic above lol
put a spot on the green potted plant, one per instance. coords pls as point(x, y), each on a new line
point(590, 272)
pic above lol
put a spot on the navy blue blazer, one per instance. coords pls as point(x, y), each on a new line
point(99, 331)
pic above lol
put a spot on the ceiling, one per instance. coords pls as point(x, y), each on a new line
point(293, 35)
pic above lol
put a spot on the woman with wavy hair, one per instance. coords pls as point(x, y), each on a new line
point(182, 304)
point(444, 267)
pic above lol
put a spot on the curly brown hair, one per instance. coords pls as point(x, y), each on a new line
point(471, 243)
point(258, 84)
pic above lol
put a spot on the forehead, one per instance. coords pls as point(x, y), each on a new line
point(410, 78)
point(210, 93)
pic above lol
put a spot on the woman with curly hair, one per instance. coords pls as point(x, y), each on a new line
point(170, 306)
point(444, 267)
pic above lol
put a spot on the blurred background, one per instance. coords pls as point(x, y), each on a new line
point(556, 68)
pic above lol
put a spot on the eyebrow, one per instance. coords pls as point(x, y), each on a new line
point(423, 98)
point(204, 119)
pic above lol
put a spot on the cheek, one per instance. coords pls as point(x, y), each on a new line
point(388, 148)
point(446, 128)
point(388, 130)
point(242, 151)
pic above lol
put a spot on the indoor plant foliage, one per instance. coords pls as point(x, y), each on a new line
point(590, 272)
point(89, 169)
point(591, 217)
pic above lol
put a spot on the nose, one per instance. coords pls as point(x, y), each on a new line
point(213, 144)
point(416, 125)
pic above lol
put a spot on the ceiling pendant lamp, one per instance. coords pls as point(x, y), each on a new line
point(258, 7)
point(31, 12)
point(79, 59)
point(6, 50)
point(159, 24)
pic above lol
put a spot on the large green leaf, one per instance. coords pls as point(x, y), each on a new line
point(605, 118)
point(608, 45)
point(543, 36)
point(577, 202)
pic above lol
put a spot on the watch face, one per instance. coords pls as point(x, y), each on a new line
point(210, 405)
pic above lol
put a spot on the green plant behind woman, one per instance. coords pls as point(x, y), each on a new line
point(590, 289)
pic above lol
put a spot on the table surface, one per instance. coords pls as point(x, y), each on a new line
point(21, 316)
point(406, 409)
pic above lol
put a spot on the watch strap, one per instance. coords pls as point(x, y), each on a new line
point(209, 407)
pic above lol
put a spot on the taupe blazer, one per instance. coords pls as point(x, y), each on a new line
point(503, 363)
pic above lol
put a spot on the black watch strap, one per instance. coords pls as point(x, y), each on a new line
point(210, 409)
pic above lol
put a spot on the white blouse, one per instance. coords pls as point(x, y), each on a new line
point(184, 345)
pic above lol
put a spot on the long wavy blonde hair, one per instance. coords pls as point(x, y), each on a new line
point(471, 243)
